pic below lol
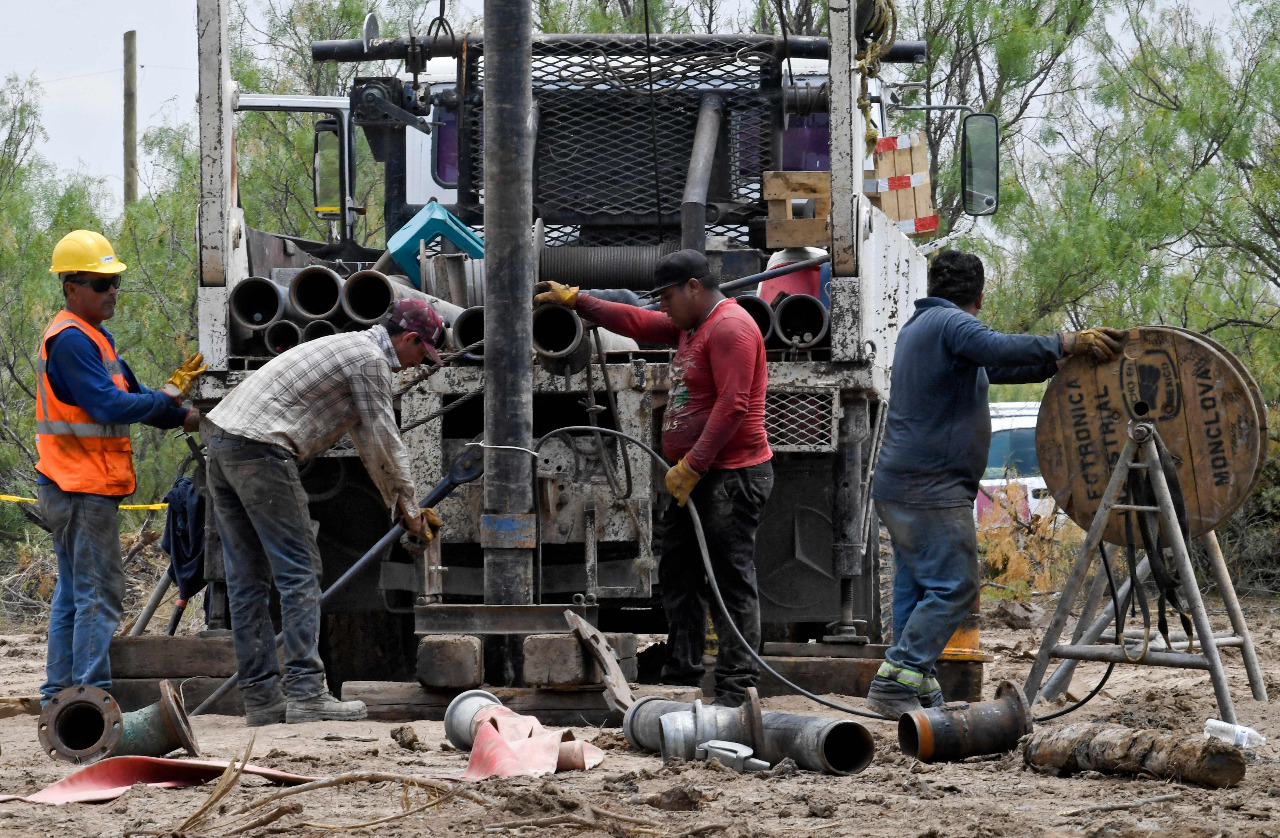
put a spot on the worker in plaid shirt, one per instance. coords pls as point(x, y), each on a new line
point(295, 407)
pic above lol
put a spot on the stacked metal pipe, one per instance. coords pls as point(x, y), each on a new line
point(675, 729)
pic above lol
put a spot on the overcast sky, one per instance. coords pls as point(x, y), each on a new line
point(75, 48)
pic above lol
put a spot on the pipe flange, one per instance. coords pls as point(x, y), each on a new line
point(175, 716)
point(80, 724)
point(460, 714)
point(753, 720)
point(1011, 693)
point(627, 718)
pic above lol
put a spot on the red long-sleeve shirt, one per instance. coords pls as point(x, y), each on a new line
point(715, 410)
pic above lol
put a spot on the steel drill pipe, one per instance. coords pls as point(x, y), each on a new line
point(316, 293)
point(640, 722)
point(693, 207)
point(459, 718)
point(956, 731)
point(468, 329)
point(760, 311)
point(833, 746)
point(281, 336)
point(368, 295)
point(256, 303)
point(801, 321)
point(558, 338)
point(318, 329)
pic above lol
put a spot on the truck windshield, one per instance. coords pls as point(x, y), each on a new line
point(1013, 454)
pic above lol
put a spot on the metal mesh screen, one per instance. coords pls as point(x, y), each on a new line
point(595, 155)
point(803, 420)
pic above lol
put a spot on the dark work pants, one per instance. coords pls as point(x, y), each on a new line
point(261, 511)
point(729, 502)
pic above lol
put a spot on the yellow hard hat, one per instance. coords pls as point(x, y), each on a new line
point(85, 250)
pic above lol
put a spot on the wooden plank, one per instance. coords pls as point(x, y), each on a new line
point(780, 209)
point(776, 185)
point(158, 656)
point(403, 700)
point(886, 166)
point(906, 197)
point(923, 194)
point(136, 693)
point(799, 232)
point(960, 680)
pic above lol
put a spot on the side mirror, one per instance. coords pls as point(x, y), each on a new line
point(327, 170)
point(980, 163)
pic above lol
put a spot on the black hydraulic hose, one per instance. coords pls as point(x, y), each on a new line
point(711, 578)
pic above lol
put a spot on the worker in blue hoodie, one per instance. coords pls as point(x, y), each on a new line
point(935, 450)
point(86, 399)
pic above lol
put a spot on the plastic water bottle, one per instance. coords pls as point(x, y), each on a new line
point(1245, 737)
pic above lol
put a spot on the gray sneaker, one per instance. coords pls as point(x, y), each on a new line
point(266, 714)
point(324, 708)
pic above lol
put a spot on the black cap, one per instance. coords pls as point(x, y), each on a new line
point(678, 268)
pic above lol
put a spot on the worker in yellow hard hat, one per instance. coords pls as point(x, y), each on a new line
point(86, 399)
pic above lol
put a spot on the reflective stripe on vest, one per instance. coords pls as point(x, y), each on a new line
point(76, 453)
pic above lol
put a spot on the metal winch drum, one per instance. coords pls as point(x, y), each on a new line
point(84, 724)
point(1205, 405)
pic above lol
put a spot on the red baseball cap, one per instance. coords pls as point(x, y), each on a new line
point(416, 316)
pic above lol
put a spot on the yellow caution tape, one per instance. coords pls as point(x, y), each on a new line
point(16, 499)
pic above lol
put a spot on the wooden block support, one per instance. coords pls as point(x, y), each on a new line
point(136, 693)
point(558, 660)
point(960, 680)
point(450, 661)
point(158, 656)
point(779, 189)
point(408, 701)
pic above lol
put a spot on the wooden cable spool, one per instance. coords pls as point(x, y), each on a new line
point(1200, 398)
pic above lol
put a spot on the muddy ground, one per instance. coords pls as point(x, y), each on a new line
point(896, 796)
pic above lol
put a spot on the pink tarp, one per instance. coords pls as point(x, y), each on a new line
point(508, 744)
point(110, 778)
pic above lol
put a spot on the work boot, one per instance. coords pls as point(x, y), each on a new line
point(891, 699)
point(931, 694)
point(324, 708)
point(266, 714)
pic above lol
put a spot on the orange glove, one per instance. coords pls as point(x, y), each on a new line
point(680, 481)
point(554, 293)
point(179, 384)
point(1101, 344)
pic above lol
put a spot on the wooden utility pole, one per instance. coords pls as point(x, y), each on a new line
point(130, 117)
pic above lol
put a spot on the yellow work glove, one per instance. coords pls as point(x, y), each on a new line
point(680, 481)
point(425, 526)
point(1101, 344)
point(554, 293)
point(179, 384)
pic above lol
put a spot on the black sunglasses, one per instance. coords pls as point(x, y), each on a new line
point(99, 284)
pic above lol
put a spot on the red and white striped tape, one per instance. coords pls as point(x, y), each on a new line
point(874, 186)
point(897, 143)
point(916, 226)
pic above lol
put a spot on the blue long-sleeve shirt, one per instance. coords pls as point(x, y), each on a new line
point(938, 432)
point(78, 377)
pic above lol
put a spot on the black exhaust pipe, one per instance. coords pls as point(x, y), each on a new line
point(468, 329)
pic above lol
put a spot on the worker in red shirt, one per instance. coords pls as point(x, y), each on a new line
point(713, 430)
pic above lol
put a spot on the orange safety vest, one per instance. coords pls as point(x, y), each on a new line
point(76, 452)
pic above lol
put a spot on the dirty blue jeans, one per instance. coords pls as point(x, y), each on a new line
point(729, 502)
point(260, 509)
point(935, 580)
point(87, 601)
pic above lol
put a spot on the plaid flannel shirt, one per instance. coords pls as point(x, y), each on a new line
point(306, 399)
